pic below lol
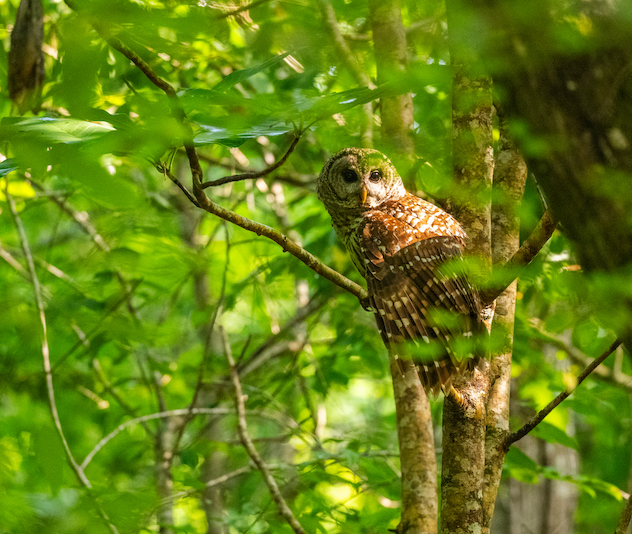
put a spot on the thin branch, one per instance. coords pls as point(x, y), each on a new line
point(286, 244)
point(342, 48)
point(81, 342)
point(254, 174)
point(512, 438)
point(206, 350)
point(626, 515)
point(109, 389)
point(525, 254)
point(171, 177)
point(80, 218)
point(216, 481)
point(610, 376)
point(50, 389)
point(6, 256)
point(203, 202)
point(242, 427)
point(262, 353)
point(166, 415)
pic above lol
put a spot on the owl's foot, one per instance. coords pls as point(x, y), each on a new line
point(367, 304)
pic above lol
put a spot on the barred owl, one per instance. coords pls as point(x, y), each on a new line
point(402, 245)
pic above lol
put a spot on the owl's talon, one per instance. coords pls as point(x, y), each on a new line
point(458, 397)
point(366, 304)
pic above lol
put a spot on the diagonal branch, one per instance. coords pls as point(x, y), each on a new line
point(524, 255)
point(200, 199)
point(255, 174)
point(37, 290)
point(286, 244)
point(242, 427)
point(561, 397)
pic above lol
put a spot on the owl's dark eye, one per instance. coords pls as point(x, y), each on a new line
point(349, 176)
point(376, 175)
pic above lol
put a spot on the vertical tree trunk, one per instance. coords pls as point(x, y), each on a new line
point(509, 181)
point(414, 423)
point(389, 41)
point(463, 463)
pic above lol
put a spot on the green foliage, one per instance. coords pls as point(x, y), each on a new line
point(135, 281)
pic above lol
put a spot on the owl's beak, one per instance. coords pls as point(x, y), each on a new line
point(364, 193)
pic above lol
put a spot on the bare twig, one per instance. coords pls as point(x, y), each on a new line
point(6, 256)
point(164, 415)
point(80, 218)
point(254, 174)
point(525, 254)
point(37, 290)
point(262, 353)
point(216, 481)
point(512, 438)
point(610, 376)
point(201, 200)
point(206, 351)
point(242, 427)
point(182, 187)
point(99, 325)
point(286, 244)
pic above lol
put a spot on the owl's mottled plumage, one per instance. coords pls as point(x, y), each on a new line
point(399, 243)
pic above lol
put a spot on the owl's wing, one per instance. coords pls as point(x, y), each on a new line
point(414, 298)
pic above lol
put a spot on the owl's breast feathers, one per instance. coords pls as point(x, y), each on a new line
point(402, 250)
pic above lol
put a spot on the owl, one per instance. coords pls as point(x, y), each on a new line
point(409, 251)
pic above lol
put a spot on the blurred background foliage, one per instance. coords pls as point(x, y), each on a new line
point(136, 280)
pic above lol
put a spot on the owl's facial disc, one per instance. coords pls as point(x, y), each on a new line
point(358, 178)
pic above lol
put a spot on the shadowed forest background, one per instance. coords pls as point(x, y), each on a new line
point(170, 353)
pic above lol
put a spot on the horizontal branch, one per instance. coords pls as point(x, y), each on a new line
point(524, 255)
point(181, 412)
point(253, 174)
point(512, 438)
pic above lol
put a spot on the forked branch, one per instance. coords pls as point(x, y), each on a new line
point(198, 197)
point(256, 174)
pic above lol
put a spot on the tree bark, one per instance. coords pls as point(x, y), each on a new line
point(572, 113)
point(463, 464)
point(510, 176)
point(414, 424)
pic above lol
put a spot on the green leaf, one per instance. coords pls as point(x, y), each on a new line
point(7, 166)
point(51, 130)
point(553, 434)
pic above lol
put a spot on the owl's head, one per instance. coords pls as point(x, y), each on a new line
point(358, 178)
